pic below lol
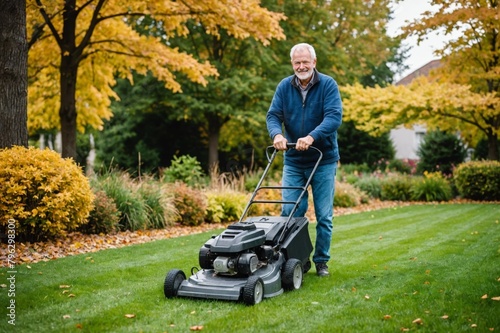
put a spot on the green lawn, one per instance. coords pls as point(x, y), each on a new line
point(412, 262)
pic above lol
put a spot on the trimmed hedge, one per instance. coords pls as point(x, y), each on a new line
point(478, 180)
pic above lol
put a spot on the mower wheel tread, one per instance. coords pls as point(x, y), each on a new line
point(172, 282)
point(292, 275)
point(253, 291)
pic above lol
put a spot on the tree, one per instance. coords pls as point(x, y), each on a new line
point(440, 152)
point(77, 48)
point(472, 58)
point(13, 74)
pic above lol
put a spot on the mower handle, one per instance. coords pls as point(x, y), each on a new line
point(289, 145)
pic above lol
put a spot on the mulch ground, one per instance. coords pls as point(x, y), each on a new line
point(77, 243)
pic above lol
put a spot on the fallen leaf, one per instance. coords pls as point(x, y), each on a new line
point(66, 316)
point(418, 321)
point(485, 296)
point(496, 298)
point(64, 286)
point(354, 289)
point(71, 295)
point(28, 266)
point(193, 312)
point(367, 297)
point(65, 291)
point(196, 328)
point(130, 315)
point(387, 317)
point(473, 325)
point(444, 317)
point(3, 286)
point(404, 329)
point(79, 326)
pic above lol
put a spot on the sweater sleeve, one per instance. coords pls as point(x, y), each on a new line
point(332, 112)
point(275, 116)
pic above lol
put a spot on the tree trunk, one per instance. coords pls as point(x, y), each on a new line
point(213, 142)
point(67, 112)
point(493, 148)
point(13, 74)
point(68, 72)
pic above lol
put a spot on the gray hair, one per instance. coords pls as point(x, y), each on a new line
point(303, 46)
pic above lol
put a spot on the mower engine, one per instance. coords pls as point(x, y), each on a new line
point(239, 250)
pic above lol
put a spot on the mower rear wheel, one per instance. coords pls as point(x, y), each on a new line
point(172, 283)
point(292, 275)
point(253, 291)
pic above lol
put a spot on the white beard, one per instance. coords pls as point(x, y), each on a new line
point(304, 75)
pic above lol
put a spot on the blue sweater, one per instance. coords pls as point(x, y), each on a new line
point(320, 115)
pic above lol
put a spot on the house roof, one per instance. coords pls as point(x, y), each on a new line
point(422, 71)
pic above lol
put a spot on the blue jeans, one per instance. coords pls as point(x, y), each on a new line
point(323, 189)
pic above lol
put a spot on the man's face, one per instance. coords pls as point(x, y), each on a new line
point(302, 64)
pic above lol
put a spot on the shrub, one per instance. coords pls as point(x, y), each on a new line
point(190, 204)
point(478, 180)
point(440, 152)
point(104, 218)
point(225, 206)
point(431, 187)
point(132, 206)
point(370, 185)
point(266, 209)
point(45, 194)
point(396, 187)
point(347, 195)
point(186, 169)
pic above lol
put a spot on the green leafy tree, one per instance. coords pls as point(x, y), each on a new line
point(358, 147)
point(440, 152)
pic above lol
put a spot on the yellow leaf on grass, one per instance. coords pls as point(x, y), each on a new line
point(64, 286)
point(496, 298)
point(196, 328)
point(66, 316)
point(418, 321)
point(386, 317)
point(485, 296)
point(444, 317)
point(130, 315)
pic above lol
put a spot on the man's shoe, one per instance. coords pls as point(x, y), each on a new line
point(322, 269)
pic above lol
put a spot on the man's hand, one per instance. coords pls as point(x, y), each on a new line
point(304, 143)
point(279, 142)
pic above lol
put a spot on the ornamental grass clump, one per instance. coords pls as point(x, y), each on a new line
point(433, 186)
point(45, 194)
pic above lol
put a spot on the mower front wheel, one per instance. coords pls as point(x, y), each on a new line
point(173, 282)
point(253, 291)
point(292, 274)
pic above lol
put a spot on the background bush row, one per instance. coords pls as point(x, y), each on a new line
point(49, 196)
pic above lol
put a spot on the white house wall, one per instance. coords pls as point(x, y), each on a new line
point(406, 141)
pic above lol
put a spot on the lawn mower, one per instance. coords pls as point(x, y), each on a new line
point(257, 257)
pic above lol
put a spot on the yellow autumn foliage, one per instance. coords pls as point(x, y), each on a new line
point(443, 105)
point(106, 45)
point(46, 195)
